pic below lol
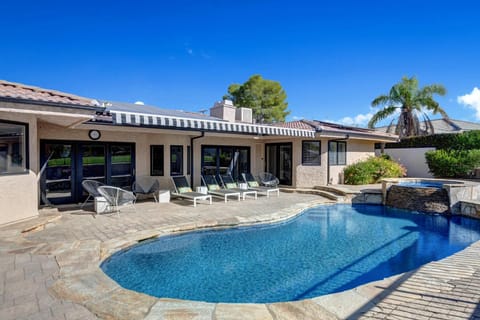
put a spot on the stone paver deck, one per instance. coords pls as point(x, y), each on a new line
point(52, 271)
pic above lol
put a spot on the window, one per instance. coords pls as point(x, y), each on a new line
point(337, 152)
point(156, 160)
point(311, 153)
point(176, 160)
point(13, 147)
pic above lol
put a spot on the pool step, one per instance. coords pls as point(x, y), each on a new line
point(325, 194)
point(365, 194)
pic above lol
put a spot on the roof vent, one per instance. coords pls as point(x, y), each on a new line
point(243, 115)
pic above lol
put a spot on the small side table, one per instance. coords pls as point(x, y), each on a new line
point(243, 186)
point(202, 189)
point(163, 196)
point(100, 205)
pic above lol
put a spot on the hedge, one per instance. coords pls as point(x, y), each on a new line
point(445, 141)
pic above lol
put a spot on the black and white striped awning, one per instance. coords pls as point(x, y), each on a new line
point(169, 122)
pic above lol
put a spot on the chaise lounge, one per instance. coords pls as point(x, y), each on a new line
point(183, 190)
point(230, 184)
point(215, 190)
point(254, 185)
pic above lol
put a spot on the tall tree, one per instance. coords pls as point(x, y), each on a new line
point(266, 98)
point(412, 101)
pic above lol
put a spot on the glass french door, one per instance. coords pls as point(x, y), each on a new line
point(57, 183)
point(278, 161)
point(66, 164)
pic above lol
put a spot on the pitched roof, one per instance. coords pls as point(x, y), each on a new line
point(26, 93)
point(299, 124)
point(334, 128)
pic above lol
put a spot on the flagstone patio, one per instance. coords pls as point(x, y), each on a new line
point(49, 269)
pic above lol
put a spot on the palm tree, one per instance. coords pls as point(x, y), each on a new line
point(411, 101)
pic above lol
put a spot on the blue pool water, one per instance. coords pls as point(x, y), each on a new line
point(326, 249)
point(421, 184)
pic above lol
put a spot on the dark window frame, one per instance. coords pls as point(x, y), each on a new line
point(154, 171)
point(189, 160)
point(217, 148)
point(310, 162)
point(337, 161)
point(26, 169)
point(172, 147)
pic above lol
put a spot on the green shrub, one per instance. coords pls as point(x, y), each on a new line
point(372, 170)
point(452, 163)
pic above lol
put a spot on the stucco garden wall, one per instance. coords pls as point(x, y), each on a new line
point(411, 158)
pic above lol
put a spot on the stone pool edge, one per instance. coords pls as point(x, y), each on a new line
point(82, 281)
point(85, 283)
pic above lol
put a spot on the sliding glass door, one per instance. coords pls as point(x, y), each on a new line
point(225, 159)
point(278, 161)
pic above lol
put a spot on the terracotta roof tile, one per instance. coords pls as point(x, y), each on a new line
point(295, 125)
point(24, 92)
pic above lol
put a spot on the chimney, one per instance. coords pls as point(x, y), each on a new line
point(243, 115)
point(224, 110)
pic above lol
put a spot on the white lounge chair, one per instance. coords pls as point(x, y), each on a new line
point(253, 184)
point(183, 190)
point(215, 190)
point(117, 197)
point(230, 184)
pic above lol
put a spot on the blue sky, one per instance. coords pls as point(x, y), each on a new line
point(332, 57)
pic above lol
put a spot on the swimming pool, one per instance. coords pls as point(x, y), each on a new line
point(324, 250)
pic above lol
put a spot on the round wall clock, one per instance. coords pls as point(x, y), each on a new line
point(94, 134)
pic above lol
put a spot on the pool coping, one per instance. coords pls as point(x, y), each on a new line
point(85, 283)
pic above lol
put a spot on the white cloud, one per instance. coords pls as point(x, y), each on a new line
point(360, 120)
point(472, 101)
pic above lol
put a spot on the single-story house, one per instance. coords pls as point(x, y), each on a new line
point(51, 141)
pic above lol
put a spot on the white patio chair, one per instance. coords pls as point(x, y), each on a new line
point(117, 197)
point(91, 187)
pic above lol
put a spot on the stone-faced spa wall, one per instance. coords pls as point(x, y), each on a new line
point(435, 200)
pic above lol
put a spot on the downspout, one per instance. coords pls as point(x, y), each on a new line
point(328, 155)
point(191, 155)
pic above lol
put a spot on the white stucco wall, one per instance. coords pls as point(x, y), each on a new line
point(413, 159)
point(19, 192)
point(25, 186)
point(357, 150)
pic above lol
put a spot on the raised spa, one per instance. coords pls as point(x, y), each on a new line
point(324, 250)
